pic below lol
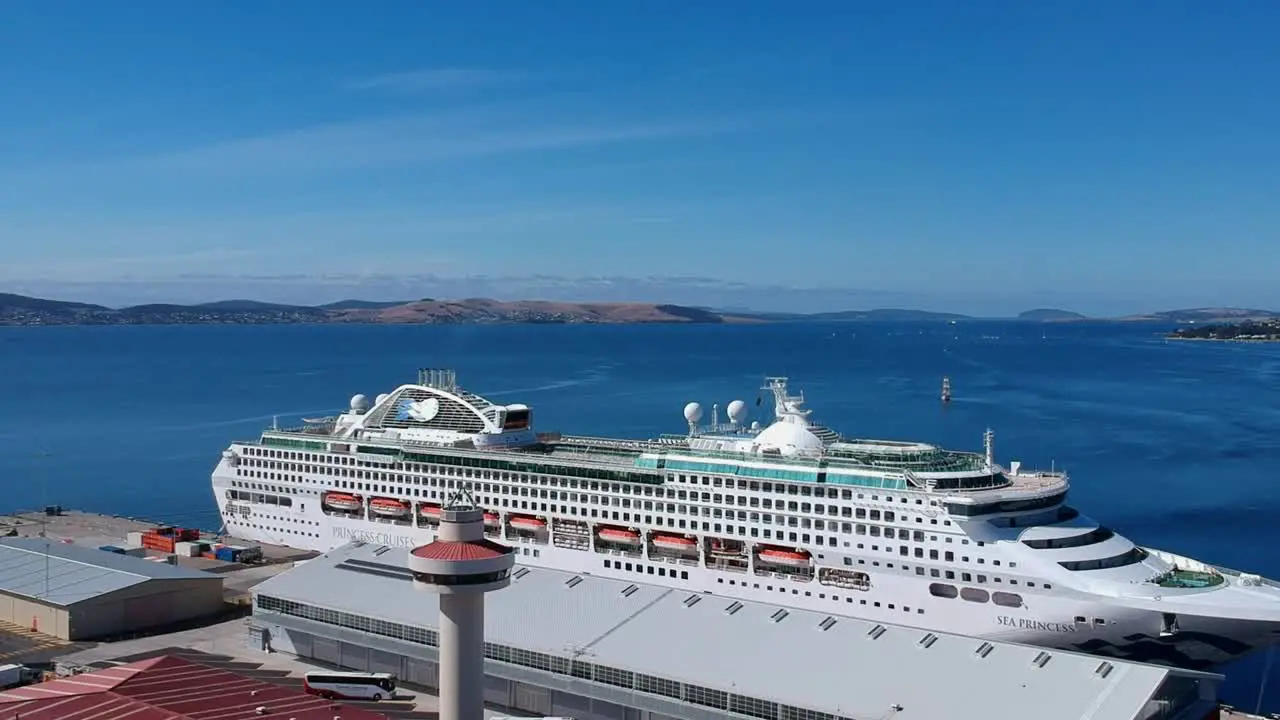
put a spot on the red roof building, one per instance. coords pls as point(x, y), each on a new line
point(168, 688)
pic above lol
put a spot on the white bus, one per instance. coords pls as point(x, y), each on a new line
point(350, 685)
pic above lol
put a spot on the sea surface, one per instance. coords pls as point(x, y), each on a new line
point(1175, 444)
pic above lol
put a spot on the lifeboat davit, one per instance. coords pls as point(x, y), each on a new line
point(389, 507)
point(674, 542)
point(341, 501)
point(429, 510)
point(524, 522)
point(491, 519)
point(619, 536)
point(777, 556)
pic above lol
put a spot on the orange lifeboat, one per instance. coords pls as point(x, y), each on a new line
point(429, 510)
point(524, 522)
point(674, 542)
point(491, 519)
point(388, 507)
point(778, 556)
point(341, 501)
point(619, 536)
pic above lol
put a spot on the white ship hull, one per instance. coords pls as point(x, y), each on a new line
point(940, 540)
point(1129, 633)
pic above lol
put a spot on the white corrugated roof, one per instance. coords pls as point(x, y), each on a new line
point(801, 658)
point(63, 574)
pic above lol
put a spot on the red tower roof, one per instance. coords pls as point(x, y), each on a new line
point(454, 551)
point(168, 688)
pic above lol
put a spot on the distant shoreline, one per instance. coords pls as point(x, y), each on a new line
point(1258, 331)
point(1184, 338)
point(25, 311)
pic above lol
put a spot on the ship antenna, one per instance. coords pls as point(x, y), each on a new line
point(275, 422)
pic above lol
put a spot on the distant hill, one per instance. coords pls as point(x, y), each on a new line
point(1050, 315)
point(243, 306)
point(484, 310)
point(1205, 315)
point(23, 310)
point(22, 302)
point(875, 315)
point(361, 305)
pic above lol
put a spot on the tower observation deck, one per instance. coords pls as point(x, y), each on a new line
point(461, 566)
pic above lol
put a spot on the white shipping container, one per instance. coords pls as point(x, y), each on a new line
point(134, 539)
point(187, 549)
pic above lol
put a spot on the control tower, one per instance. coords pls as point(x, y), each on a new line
point(461, 566)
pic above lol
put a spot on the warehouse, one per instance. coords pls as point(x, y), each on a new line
point(168, 687)
point(590, 648)
point(78, 593)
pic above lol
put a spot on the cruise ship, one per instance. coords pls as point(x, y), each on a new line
point(787, 512)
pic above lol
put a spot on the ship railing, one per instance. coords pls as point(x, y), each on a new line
point(1211, 574)
point(611, 442)
point(1037, 480)
point(1245, 578)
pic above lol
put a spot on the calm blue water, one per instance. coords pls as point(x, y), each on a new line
point(1174, 444)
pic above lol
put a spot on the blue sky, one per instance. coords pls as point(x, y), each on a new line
point(988, 156)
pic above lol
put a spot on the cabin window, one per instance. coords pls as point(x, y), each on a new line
point(1005, 599)
point(943, 590)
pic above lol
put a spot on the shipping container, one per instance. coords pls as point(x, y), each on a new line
point(249, 553)
point(159, 543)
point(188, 549)
point(134, 539)
point(112, 549)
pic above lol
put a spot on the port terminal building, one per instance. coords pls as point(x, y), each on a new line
point(73, 592)
point(590, 648)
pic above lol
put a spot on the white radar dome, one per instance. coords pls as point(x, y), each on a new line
point(381, 397)
point(737, 411)
point(693, 412)
point(359, 403)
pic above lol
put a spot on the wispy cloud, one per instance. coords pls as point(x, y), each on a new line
point(410, 140)
point(433, 80)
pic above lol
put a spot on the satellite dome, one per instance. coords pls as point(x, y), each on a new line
point(789, 439)
point(381, 397)
point(359, 403)
point(693, 412)
point(737, 411)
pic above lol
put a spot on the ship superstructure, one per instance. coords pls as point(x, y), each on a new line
point(790, 513)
